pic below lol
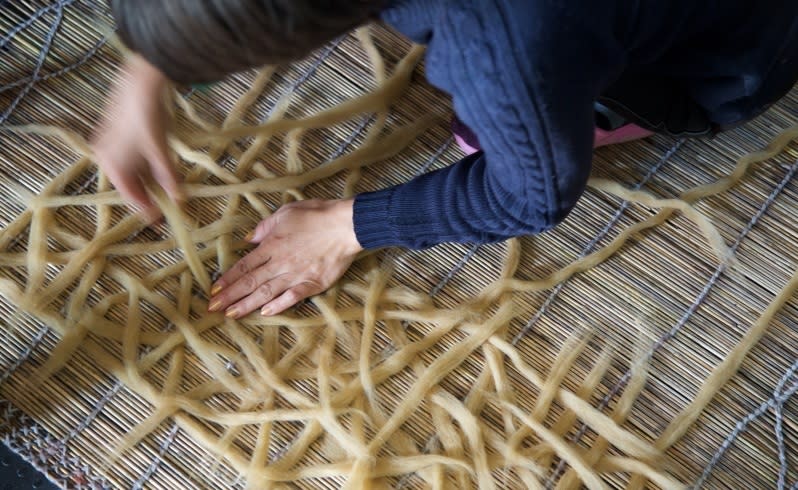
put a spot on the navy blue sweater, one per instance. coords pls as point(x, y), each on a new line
point(524, 75)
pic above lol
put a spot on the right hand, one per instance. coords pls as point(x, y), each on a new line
point(130, 145)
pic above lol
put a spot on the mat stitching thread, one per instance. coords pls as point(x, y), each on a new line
point(775, 402)
point(690, 311)
point(33, 18)
point(778, 428)
point(94, 413)
point(103, 401)
point(349, 140)
point(31, 82)
point(46, 47)
point(24, 355)
point(63, 71)
point(435, 156)
point(651, 172)
point(71, 469)
point(600, 236)
point(156, 462)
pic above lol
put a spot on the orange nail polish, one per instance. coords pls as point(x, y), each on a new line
point(231, 313)
point(216, 289)
point(266, 311)
point(249, 236)
point(215, 306)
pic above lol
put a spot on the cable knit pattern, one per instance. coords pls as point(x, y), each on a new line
point(537, 150)
point(523, 75)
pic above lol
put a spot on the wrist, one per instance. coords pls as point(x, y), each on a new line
point(343, 209)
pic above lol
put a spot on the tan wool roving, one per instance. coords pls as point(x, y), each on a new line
point(650, 341)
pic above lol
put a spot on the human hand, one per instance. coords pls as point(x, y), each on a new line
point(302, 250)
point(130, 145)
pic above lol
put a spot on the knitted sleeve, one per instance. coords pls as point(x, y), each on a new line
point(525, 85)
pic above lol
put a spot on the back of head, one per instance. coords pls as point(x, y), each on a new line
point(194, 41)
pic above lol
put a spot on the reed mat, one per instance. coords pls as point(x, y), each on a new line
point(650, 341)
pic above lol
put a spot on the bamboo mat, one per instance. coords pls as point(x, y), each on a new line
point(662, 302)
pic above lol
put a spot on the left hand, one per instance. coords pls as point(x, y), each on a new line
point(302, 250)
point(130, 145)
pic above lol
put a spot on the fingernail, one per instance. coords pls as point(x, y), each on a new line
point(232, 313)
point(249, 236)
point(266, 311)
point(216, 289)
point(215, 306)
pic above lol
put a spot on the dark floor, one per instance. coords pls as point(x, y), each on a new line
point(16, 473)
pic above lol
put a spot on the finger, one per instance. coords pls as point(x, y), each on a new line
point(253, 260)
point(242, 287)
point(132, 189)
point(289, 298)
point(263, 294)
point(150, 215)
point(164, 172)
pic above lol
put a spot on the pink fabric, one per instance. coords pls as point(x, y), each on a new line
point(628, 132)
point(468, 149)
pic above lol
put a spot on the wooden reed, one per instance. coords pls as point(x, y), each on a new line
point(481, 420)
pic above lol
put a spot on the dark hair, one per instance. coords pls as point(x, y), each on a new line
point(197, 41)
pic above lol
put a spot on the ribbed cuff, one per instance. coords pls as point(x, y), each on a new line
point(373, 227)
